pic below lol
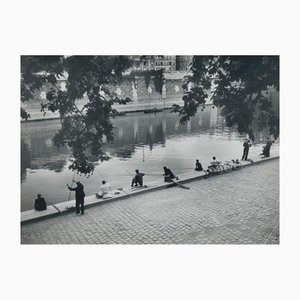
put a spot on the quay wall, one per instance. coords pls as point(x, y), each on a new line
point(142, 97)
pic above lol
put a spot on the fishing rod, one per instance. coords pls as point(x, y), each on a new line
point(121, 189)
point(127, 171)
point(71, 185)
point(154, 174)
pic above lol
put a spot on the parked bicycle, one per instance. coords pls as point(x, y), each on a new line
point(217, 168)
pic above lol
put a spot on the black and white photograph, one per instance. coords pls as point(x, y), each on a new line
point(149, 150)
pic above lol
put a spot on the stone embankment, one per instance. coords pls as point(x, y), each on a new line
point(121, 194)
point(241, 207)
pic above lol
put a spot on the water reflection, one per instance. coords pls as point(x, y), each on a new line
point(37, 149)
point(25, 159)
point(131, 131)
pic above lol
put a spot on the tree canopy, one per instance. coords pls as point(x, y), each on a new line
point(238, 85)
point(90, 76)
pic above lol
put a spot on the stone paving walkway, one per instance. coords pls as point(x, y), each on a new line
point(237, 208)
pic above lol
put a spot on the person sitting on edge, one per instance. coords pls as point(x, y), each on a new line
point(266, 148)
point(137, 179)
point(104, 190)
point(40, 203)
point(169, 175)
point(198, 166)
point(213, 164)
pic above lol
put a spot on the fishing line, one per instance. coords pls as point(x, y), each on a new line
point(102, 178)
point(126, 170)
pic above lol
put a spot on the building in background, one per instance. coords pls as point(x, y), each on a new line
point(183, 62)
point(165, 62)
point(154, 62)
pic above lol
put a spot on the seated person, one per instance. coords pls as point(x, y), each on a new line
point(198, 166)
point(266, 149)
point(40, 203)
point(137, 179)
point(104, 190)
point(169, 175)
point(236, 163)
point(213, 164)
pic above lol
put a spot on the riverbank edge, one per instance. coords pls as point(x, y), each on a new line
point(63, 208)
point(122, 112)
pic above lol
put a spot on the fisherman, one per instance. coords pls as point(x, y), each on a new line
point(169, 176)
point(79, 196)
point(198, 166)
point(104, 190)
point(40, 203)
point(137, 179)
point(246, 146)
point(266, 148)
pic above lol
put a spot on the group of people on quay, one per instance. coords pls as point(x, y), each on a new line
point(105, 190)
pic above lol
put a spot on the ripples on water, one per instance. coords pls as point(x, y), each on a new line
point(142, 141)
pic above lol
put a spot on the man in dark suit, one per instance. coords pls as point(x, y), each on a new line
point(246, 146)
point(79, 196)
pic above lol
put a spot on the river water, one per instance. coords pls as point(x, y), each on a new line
point(142, 141)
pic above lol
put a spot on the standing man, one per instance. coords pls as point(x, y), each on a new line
point(79, 196)
point(246, 146)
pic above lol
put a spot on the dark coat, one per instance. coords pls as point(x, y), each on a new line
point(138, 178)
point(40, 204)
point(79, 193)
point(198, 167)
point(246, 146)
point(169, 173)
point(266, 149)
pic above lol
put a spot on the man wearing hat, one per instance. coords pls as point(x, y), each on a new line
point(246, 146)
point(137, 179)
point(79, 196)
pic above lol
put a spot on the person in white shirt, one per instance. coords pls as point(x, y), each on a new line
point(104, 190)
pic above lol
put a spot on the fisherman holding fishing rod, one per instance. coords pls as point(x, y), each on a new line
point(79, 196)
point(169, 176)
point(137, 179)
point(104, 191)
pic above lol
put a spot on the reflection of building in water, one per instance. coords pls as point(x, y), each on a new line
point(25, 159)
point(153, 129)
point(131, 131)
point(188, 126)
point(121, 133)
point(213, 117)
point(37, 148)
